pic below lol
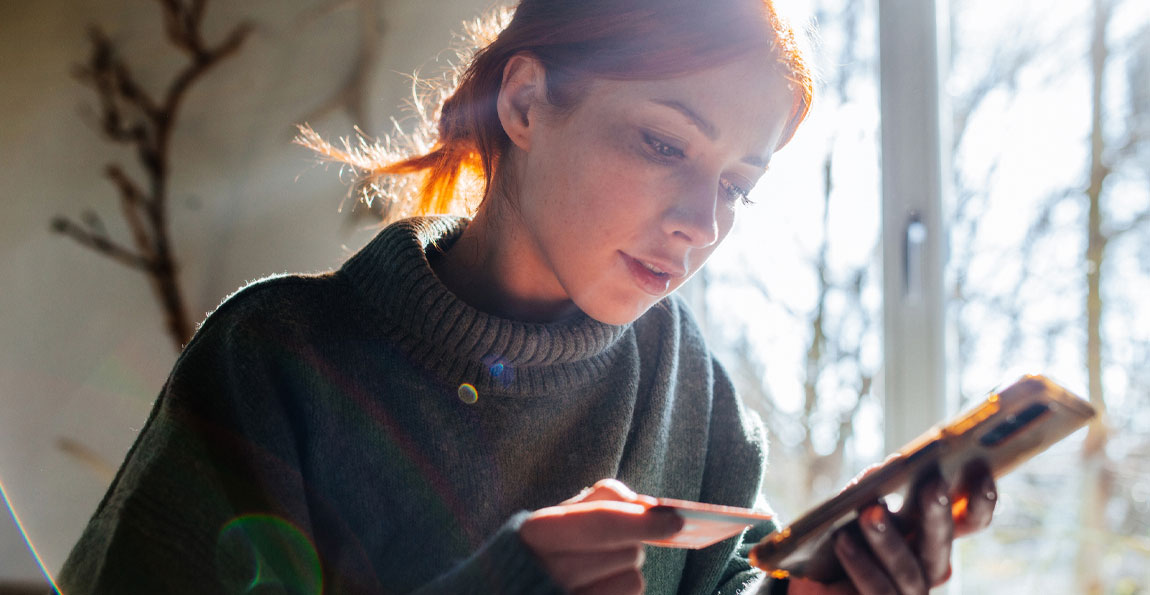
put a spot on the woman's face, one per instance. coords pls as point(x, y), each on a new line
point(622, 199)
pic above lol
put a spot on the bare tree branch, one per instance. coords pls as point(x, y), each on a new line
point(130, 116)
point(100, 244)
point(1137, 223)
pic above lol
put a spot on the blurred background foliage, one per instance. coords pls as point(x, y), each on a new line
point(1049, 222)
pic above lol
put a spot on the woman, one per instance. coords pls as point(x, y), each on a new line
point(415, 420)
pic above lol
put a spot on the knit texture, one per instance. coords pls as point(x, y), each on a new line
point(365, 431)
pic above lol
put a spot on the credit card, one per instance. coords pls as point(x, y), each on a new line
point(707, 524)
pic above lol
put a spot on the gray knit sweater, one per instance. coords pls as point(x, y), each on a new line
point(316, 435)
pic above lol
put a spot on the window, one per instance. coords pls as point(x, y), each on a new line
point(991, 158)
point(1041, 164)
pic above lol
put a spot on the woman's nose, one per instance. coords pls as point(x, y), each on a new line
point(692, 217)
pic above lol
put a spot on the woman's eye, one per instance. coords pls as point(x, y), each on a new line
point(663, 149)
point(735, 192)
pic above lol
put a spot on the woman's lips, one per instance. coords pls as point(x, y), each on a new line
point(649, 281)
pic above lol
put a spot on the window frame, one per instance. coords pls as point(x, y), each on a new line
point(914, 156)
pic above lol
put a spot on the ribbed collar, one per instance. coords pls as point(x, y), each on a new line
point(459, 343)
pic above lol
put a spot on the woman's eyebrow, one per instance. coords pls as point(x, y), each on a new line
point(704, 126)
point(707, 128)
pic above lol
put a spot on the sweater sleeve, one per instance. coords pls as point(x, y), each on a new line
point(209, 498)
point(738, 573)
point(736, 462)
point(503, 564)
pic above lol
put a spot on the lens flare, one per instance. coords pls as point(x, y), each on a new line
point(468, 394)
point(20, 527)
point(265, 551)
point(502, 373)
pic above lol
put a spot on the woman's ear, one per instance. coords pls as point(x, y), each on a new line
point(524, 86)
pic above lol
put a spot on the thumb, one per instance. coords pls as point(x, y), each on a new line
point(610, 489)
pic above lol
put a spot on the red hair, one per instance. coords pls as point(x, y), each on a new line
point(576, 40)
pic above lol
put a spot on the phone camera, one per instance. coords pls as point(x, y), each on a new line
point(1012, 424)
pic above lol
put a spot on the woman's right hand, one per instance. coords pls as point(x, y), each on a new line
point(908, 552)
point(592, 543)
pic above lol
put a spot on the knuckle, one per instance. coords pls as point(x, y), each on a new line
point(938, 532)
point(563, 574)
point(608, 483)
point(615, 488)
point(978, 515)
point(908, 576)
point(538, 527)
point(527, 532)
point(939, 574)
point(942, 576)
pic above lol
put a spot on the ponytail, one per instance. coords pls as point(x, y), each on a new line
point(447, 162)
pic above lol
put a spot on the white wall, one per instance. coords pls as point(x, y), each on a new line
point(83, 350)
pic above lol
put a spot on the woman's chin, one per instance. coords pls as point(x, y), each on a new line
point(618, 313)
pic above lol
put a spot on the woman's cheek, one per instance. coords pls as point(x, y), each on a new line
point(627, 180)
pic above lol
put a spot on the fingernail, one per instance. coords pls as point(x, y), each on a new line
point(670, 520)
point(876, 519)
point(650, 501)
point(940, 497)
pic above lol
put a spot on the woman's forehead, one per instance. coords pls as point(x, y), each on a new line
point(738, 99)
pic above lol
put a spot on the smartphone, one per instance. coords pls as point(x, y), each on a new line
point(1006, 429)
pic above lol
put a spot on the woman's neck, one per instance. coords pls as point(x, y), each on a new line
point(496, 267)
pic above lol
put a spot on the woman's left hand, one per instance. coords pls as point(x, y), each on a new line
point(909, 552)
